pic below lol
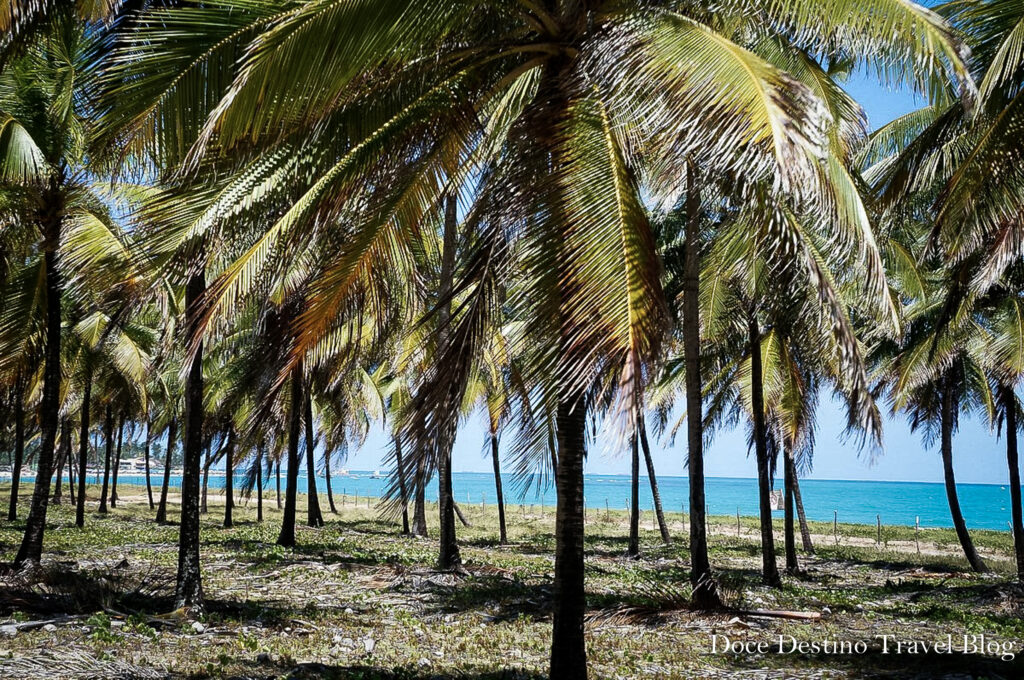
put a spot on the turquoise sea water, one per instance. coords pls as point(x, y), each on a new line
point(985, 506)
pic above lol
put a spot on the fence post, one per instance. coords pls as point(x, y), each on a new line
point(737, 521)
point(878, 522)
point(917, 530)
point(835, 526)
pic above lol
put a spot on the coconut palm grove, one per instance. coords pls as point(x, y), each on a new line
point(237, 235)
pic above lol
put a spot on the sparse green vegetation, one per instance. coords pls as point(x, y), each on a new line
point(354, 599)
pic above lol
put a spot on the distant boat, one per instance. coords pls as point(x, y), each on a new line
point(377, 475)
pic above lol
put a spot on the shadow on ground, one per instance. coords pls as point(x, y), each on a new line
point(875, 663)
point(320, 671)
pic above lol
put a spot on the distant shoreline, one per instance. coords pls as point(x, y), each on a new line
point(157, 472)
point(894, 503)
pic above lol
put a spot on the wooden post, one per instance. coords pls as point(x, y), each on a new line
point(835, 526)
point(483, 500)
point(917, 530)
point(878, 522)
point(607, 512)
point(737, 521)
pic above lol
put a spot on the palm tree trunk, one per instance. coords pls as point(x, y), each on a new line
point(1012, 462)
point(229, 481)
point(947, 468)
point(649, 460)
point(65, 452)
point(19, 450)
point(277, 475)
point(313, 516)
point(149, 442)
point(705, 589)
point(568, 648)
point(553, 453)
point(31, 549)
point(83, 449)
point(458, 514)
point(259, 483)
point(72, 496)
point(402, 486)
point(419, 516)
point(634, 499)
point(172, 433)
point(327, 481)
point(805, 532)
point(769, 566)
point(108, 439)
point(203, 509)
point(117, 463)
point(287, 535)
point(502, 533)
point(789, 476)
point(189, 586)
point(449, 556)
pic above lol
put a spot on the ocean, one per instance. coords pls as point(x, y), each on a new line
point(985, 506)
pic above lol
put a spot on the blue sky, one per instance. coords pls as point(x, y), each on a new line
point(979, 457)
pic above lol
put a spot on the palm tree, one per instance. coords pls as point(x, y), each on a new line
point(188, 586)
point(491, 389)
point(633, 549)
point(558, 93)
point(147, 449)
point(287, 536)
point(63, 457)
point(18, 399)
point(962, 163)
point(108, 441)
point(45, 164)
point(314, 517)
point(172, 432)
point(37, 155)
point(1006, 366)
point(937, 372)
